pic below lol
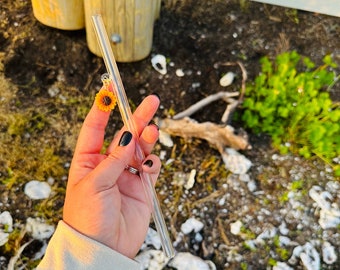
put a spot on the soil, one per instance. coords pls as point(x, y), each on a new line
point(194, 36)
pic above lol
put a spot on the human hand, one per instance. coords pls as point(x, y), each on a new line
point(103, 200)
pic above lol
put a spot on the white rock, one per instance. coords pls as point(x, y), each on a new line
point(179, 72)
point(7, 220)
point(244, 178)
point(285, 241)
point(221, 202)
point(268, 233)
point(187, 261)
point(309, 256)
point(234, 256)
point(165, 139)
point(152, 260)
point(235, 162)
point(38, 229)
point(3, 238)
point(190, 225)
point(179, 178)
point(53, 91)
point(159, 63)
point(235, 228)
point(328, 253)
point(283, 228)
point(198, 237)
point(152, 238)
point(191, 180)
point(329, 218)
point(252, 186)
point(322, 198)
point(330, 212)
point(251, 244)
point(179, 239)
point(295, 255)
point(195, 85)
point(37, 190)
point(227, 79)
point(333, 186)
point(282, 266)
point(162, 155)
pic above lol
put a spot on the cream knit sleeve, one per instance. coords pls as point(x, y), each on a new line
point(69, 249)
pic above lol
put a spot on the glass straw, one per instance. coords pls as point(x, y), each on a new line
point(128, 121)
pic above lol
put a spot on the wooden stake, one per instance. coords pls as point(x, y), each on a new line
point(61, 14)
point(129, 24)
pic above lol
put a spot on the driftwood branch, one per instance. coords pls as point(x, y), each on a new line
point(204, 102)
point(220, 137)
point(217, 136)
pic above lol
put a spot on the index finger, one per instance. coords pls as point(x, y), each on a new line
point(91, 136)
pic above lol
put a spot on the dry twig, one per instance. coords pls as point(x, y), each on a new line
point(218, 136)
point(204, 102)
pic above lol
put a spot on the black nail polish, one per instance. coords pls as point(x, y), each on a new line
point(148, 163)
point(125, 139)
point(153, 123)
point(157, 95)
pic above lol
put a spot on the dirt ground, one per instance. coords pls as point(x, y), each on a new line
point(194, 36)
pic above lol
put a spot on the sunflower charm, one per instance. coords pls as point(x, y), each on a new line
point(105, 99)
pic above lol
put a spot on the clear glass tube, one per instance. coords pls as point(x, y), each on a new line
point(126, 114)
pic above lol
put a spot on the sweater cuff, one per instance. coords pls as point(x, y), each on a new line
point(69, 249)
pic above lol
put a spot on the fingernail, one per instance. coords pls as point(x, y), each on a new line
point(155, 94)
point(125, 139)
point(153, 123)
point(148, 163)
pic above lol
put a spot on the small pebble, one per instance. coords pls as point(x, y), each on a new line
point(37, 190)
point(227, 79)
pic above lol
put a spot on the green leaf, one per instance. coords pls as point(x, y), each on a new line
point(336, 170)
point(308, 63)
point(250, 118)
point(283, 112)
point(304, 151)
point(329, 61)
point(248, 103)
point(316, 132)
point(334, 115)
point(266, 65)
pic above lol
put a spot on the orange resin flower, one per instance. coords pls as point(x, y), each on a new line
point(105, 100)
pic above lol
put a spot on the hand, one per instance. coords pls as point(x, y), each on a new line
point(103, 200)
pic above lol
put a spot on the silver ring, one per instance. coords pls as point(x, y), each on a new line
point(132, 170)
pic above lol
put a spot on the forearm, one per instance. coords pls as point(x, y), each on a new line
point(69, 249)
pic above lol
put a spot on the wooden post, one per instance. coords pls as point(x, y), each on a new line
point(61, 14)
point(157, 8)
point(129, 24)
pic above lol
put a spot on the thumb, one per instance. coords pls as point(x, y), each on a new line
point(109, 170)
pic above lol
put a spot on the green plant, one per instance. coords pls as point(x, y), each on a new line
point(289, 101)
point(283, 253)
point(244, 266)
point(292, 14)
point(272, 262)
